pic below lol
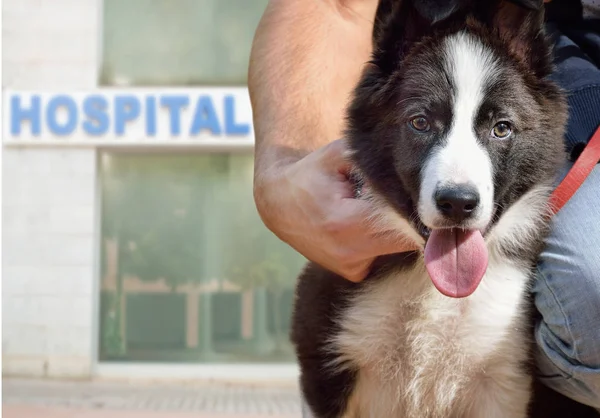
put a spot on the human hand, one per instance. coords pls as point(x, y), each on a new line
point(310, 205)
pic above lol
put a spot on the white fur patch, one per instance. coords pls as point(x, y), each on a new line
point(462, 160)
point(386, 218)
point(420, 353)
point(521, 220)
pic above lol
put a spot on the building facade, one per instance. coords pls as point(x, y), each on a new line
point(132, 246)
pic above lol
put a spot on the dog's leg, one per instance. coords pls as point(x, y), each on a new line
point(321, 297)
point(326, 392)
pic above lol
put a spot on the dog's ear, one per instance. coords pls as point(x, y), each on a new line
point(520, 25)
point(437, 10)
point(401, 23)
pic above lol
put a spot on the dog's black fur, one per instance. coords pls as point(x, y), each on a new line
point(406, 35)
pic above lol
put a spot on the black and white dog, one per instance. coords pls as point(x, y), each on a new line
point(457, 134)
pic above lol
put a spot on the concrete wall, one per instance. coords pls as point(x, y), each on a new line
point(49, 204)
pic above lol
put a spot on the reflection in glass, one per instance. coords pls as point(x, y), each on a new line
point(189, 272)
point(178, 42)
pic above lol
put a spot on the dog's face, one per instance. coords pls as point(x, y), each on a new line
point(454, 121)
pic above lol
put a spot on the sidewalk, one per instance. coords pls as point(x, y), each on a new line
point(105, 399)
point(51, 412)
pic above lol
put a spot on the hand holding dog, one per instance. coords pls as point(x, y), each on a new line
point(310, 205)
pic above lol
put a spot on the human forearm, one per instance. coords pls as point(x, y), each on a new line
point(306, 58)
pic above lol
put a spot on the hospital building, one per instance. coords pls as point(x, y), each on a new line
point(131, 242)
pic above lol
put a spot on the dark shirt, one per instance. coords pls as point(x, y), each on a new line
point(577, 61)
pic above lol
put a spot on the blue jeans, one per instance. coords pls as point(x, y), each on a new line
point(567, 294)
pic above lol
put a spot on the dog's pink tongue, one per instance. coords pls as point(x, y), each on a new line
point(456, 261)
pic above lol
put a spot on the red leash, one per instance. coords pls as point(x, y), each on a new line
point(583, 166)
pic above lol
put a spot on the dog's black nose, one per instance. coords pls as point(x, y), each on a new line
point(457, 202)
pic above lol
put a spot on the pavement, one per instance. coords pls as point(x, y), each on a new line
point(117, 399)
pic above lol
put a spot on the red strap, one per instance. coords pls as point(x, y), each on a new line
point(590, 156)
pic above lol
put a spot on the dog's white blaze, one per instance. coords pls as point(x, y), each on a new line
point(461, 159)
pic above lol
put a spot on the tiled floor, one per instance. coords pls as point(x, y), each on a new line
point(57, 399)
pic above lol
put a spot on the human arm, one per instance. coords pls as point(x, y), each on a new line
point(306, 58)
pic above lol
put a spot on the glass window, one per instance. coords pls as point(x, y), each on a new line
point(189, 272)
point(178, 42)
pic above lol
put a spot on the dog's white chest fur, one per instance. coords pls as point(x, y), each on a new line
point(420, 354)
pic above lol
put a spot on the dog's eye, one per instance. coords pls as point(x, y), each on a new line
point(420, 124)
point(501, 130)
